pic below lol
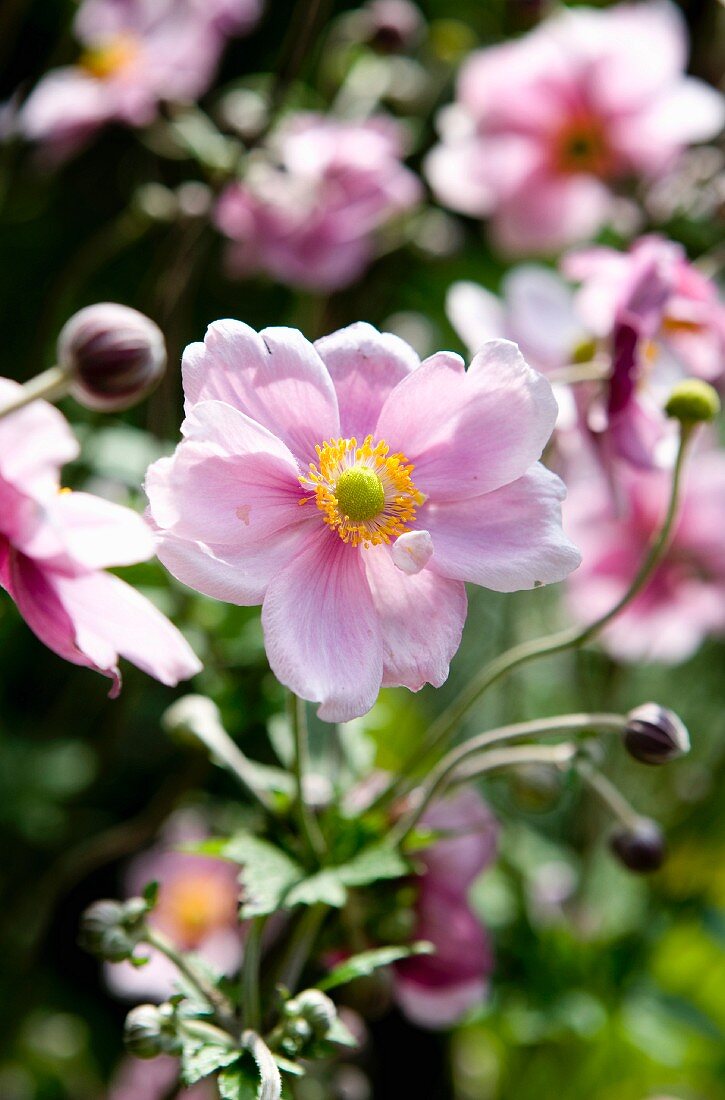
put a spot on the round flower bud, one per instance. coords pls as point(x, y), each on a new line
point(655, 735)
point(641, 847)
point(113, 929)
point(693, 401)
point(150, 1030)
point(99, 919)
point(393, 25)
point(114, 356)
point(318, 1010)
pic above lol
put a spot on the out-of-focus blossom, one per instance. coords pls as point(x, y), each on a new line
point(197, 909)
point(392, 25)
point(436, 990)
point(684, 601)
point(545, 126)
point(152, 1079)
point(54, 548)
point(352, 490)
point(309, 207)
point(136, 54)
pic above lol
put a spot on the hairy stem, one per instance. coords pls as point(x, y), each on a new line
point(51, 385)
point(309, 825)
point(222, 1009)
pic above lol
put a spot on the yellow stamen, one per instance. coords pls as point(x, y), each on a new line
point(111, 58)
point(365, 494)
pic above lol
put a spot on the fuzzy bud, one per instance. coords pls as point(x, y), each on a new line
point(150, 1030)
point(655, 735)
point(693, 401)
point(318, 1010)
point(114, 356)
point(393, 25)
point(641, 847)
point(113, 929)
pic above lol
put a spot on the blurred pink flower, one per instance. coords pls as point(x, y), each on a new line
point(544, 126)
point(309, 207)
point(136, 54)
point(684, 602)
point(55, 546)
point(352, 490)
point(436, 990)
point(151, 1079)
point(197, 909)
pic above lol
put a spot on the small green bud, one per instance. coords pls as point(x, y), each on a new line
point(693, 401)
point(113, 929)
point(318, 1010)
point(150, 1030)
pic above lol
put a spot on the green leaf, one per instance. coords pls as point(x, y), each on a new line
point(379, 861)
point(325, 887)
point(360, 966)
point(267, 874)
point(150, 894)
point(199, 1059)
point(239, 1082)
point(341, 1035)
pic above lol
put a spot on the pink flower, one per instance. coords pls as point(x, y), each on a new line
point(54, 547)
point(545, 126)
point(151, 1079)
point(136, 54)
point(197, 909)
point(352, 490)
point(436, 990)
point(684, 602)
point(309, 208)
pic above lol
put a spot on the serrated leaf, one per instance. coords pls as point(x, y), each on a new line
point(379, 861)
point(360, 966)
point(293, 1068)
point(325, 887)
point(199, 1059)
point(238, 1082)
point(267, 874)
point(341, 1035)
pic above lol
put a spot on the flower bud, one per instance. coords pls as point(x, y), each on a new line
point(113, 929)
point(655, 735)
point(693, 401)
point(114, 356)
point(318, 1010)
point(393, 25)
point(150, 1030)
point(641, 847)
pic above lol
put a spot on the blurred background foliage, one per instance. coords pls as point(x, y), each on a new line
point(605, 987)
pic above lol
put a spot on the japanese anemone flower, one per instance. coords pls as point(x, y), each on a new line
point(351, 490)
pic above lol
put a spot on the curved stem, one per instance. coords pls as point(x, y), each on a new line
point(251, 1010)
point(223, 1012)
point(608, 793)
point(442, 774)
point(51, 385)
point(308, 823)
point(300, 945)
point(446, 724)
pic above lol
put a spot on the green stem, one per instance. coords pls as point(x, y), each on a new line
point(221, 1007)
point(300, 945)
point(608, 793)
point(450, 764)
point(309, 825)
point(51, 385)
point(447, 723)
point(251, 1009)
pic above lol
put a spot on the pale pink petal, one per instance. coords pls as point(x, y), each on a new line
point(552, 213)
point(34, 443)
point(441, 1006)
point(412, 551)
point(275, 377)
point(112, 619)
point(96, 533)
point(639, 49)
point(365, 366)
point(543, 320)
point(66, 107)
point(321, 630)
point(469, 433)
point(507, 540)
point(689, 112)
point(468, 843)
point(476, 314)
point(421, 618)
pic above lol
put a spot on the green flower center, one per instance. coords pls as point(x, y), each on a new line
point(360, 494)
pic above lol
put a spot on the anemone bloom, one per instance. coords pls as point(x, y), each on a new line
point(684, 601)
point(544, 127)
point(351, 490)
point(136, 54)
point(436, 990)
point(55, 545)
